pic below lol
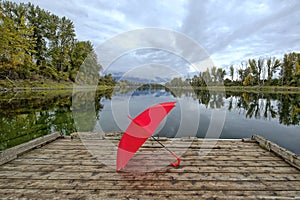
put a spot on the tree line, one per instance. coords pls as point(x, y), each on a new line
point(254, 72)
point(37, 45)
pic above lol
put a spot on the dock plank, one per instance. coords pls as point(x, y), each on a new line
point(210, 169)
point(139, 194)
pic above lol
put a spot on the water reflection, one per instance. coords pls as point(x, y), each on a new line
point(25, 116)
point(285, 107)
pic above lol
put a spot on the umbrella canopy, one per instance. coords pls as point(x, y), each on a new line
point(139, 130)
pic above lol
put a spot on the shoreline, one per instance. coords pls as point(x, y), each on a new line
point(25, 85)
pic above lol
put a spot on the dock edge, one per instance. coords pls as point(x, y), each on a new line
point(12, 153)
point(290, 157)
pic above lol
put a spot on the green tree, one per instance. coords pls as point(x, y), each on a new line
point(243, 73)
point(61, 44)
point(290, 69)
point(231, 72)
point(17, 46)
point(207, 77)
point(296, 74)
point(214, 73)
point(79, 52)
point(272, 65)
point(220, 75)
point(108, 80)
point(256, 68)
point(37, 44)
point(39, 20)
point(195, 81)
point(249, 80)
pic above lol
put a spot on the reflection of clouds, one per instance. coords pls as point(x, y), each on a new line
point(185, 113)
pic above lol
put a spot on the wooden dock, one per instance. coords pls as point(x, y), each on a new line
point(210, 169)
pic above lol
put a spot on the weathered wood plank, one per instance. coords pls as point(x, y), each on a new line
point(11, 170)
point(149, 157)
point(12, 153)
point(231, 169)
point(199, 162)
point(167, 140)
point(82, 147)
point(139, 194)
point(288, 156)
point(226, 175)
point(203, 185)
point(147, 151)
point(178, 143)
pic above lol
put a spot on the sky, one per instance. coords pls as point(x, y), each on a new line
point(229, 31)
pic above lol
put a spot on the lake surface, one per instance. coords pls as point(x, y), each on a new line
point(204, 114)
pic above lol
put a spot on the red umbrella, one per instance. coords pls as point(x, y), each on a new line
point(140, 129)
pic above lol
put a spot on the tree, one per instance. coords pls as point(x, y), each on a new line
point(17, 46)
point(206, 76)
point(221, 74)
point(243, 73)
point(289, 68)
point(256, 68)
point(272, 65)
point(61, 44)
point(107, 80)
point(249, 80)
point(231, 72)
point(39, 20)
point(79, 52)
point(297, 72)
point(36, 44)
point(195, 81)
point(214, 73)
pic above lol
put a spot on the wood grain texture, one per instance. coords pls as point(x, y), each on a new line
point(223, 169)
point(12, 153)
point(288, 156)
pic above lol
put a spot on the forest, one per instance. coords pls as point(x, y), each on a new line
point(38, 45)
point(255, 72)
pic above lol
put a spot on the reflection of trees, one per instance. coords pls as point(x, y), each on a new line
point(216, 100)
point(289, 109)
point(213, 99)
point(86, 107)
point(284, 106)
point(126, 87)
point(26, 116)
point(269, 111)
point(256, 105)
point(203, 96)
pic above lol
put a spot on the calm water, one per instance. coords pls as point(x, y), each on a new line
point(25, 116)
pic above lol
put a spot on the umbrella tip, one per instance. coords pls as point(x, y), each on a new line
point(130, 117)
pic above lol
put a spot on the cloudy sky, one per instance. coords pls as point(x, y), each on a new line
point(230, 31)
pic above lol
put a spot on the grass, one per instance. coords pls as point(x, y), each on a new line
point(254, 89)
point(26, 85)
point(267, 89)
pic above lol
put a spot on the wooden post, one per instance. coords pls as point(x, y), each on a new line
point(290, 157)
point(12, 153)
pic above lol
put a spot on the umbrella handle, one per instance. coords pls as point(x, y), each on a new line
point(178, 160)
point(173, 154)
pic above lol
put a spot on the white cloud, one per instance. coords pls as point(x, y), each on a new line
point(231, 31)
